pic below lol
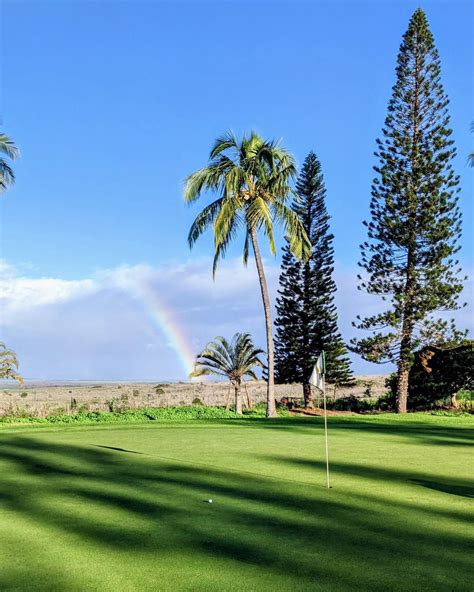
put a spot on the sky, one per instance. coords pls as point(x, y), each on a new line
point(114, 103)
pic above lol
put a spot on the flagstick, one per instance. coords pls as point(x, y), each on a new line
point(326, 432)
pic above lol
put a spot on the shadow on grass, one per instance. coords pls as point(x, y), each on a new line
point(118, 449)
point(462, 490)
point(416, 430)
point(301, 536)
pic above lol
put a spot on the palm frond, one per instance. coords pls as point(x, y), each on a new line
point(223, 143)
point(258, 215)
point(204, 220)
point(9, 364)
point(7, 147)
point(299, 242)
point(7, 176)
point(226, 226)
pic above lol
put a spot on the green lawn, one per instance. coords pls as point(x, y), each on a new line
point(123, 507)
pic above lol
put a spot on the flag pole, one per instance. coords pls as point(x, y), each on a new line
point(325, 422)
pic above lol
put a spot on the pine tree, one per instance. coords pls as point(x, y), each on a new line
point(306, 314)
point(415, 221)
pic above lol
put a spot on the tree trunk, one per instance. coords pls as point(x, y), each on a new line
point(271, 408)
point(308, 395)
point(238, 398)
point(410, 288)
point(402, 386)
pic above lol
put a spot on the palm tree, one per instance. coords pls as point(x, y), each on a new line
point(8, 148)
point(252, 179)
point(234, 360)
point(9, 364)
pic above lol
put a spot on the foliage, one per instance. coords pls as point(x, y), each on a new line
point(437, 374)
point(7, 148)
point(306, 314)
point(352, 403)
point(252, 178)
point(415, 220)
point(132, 415)
point(9, 364)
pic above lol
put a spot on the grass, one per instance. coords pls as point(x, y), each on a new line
point(123, 506)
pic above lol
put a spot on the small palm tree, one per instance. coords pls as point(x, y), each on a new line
point(8, 148)
point(233, 360)
point(252, 179)
point(9, 364)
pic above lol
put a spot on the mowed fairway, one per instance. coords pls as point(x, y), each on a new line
point(125, 507)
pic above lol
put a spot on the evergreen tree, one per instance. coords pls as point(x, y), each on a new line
point(306, 314)
point(415, 221)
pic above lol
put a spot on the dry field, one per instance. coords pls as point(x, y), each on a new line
point(44, 398)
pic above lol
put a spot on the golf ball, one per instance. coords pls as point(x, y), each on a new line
point(210, 501)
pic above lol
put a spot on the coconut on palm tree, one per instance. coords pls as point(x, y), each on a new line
point(252, 179)
point(7, 148)
point(235, 360)
point(8, 364)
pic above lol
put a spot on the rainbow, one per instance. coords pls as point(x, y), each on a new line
point(164, 320)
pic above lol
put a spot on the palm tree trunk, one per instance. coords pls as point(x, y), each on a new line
point(238, 398)
point(271, 408)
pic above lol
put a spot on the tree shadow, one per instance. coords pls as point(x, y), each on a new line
point(118, 449)
point(271, 534)
point(414, 430)
point(462, 490)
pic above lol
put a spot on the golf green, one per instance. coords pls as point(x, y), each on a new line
point(126, 507)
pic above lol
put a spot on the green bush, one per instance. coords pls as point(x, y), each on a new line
point(131, 415)
point(352, 403)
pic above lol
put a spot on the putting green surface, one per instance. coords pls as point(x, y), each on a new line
point(121, 508)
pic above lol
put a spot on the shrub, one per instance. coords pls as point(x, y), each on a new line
point(197, 401)
point(352, 403)
point(386, 402)
point(19, 415)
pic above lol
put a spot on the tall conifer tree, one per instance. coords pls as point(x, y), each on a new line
point(415, 221)
point(306, 314)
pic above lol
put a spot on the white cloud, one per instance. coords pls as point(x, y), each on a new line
point(94, 328)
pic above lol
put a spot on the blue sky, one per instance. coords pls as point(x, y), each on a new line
point(113, 103)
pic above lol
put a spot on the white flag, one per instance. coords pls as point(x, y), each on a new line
point(317, 375)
